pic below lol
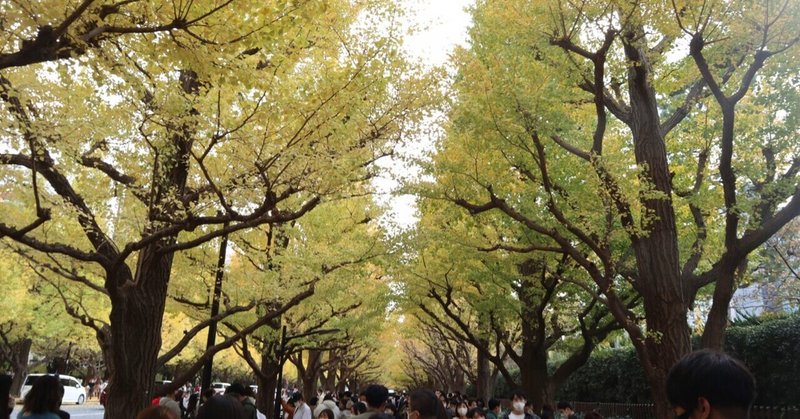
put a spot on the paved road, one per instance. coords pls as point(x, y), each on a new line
point(84, 411)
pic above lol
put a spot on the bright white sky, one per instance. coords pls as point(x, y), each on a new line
point(443, 25)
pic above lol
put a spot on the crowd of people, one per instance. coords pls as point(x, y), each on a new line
point(703, 385)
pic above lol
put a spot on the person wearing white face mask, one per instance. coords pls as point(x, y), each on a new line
point(518, 408)
point(461, 410)
point(301, 409)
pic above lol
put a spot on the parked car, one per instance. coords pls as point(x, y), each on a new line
point(220, 387)
point(74, 392)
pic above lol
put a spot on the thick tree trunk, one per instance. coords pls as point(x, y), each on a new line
point(136, 316)
point(265, 399)
point(19, 364)
point(483, 385)
point(309, 375)
point(664, 296)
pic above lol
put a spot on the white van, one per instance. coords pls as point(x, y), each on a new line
point(74, 392)
point(220, 388)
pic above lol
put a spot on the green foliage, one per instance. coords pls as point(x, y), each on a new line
point(764, 344)
point(768, 349)
point(611, 375)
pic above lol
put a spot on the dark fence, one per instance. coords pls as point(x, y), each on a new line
point(646, 411)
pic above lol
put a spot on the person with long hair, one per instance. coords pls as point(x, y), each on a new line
point(43, 401)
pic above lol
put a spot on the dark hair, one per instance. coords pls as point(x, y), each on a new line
point(221, 407)
point(328, 413)
point(427, 404)
point(313, 401)
point(157, 412)
point(518, 394)
point(722, 380)
point(327, 397)
point(563, 405)
point(361, 407)
point(236, 388)
point(380, 416)
point(209, 393)
point(592, 415)
point(493, 403)
point(472, 412)
point(44, 396)
point(192, 405)
point(296, 396)
point(376, 395)
point(5, 387)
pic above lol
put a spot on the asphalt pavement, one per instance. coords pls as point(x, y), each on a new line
point(89, 410)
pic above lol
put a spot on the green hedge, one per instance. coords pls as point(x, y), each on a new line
point(771, 349)
point(772, 352)
point(610, 376)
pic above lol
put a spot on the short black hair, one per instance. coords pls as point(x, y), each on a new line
point(563, 405)
point(296, 396)
point(361, 407)
point(518, 394)
point(493, 403)
point(376, 395)
point(473, 411)
point(725, 382)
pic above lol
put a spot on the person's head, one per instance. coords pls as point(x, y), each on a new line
point(360, 408)
point(207, 394)
point(476, 413)
point(5, 400)
point(528, 407)
point(313, 401)
point(178, 394)
point(44, 396)
point(423, 404)
point(389, 409)
point(592, 415)
point(462, 409)
point(297, 398)
point(221, 407)
point(376, 396)
point(326, 414)
point(494, 405)
point(237, 391)
point(157, 412)
point(710, 384)
point(518, 400)
point(171, 405)
point(565, 408)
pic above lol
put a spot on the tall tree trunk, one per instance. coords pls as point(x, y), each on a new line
point(19, 364)
point(265, 399)
point(309, 376)
point(482, 382)
point(664, 296)
point(136, 317)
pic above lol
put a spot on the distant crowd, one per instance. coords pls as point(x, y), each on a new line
point(703, 385)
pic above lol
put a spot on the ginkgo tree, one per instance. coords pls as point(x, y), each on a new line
point(138, 130)
point(654, 144)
